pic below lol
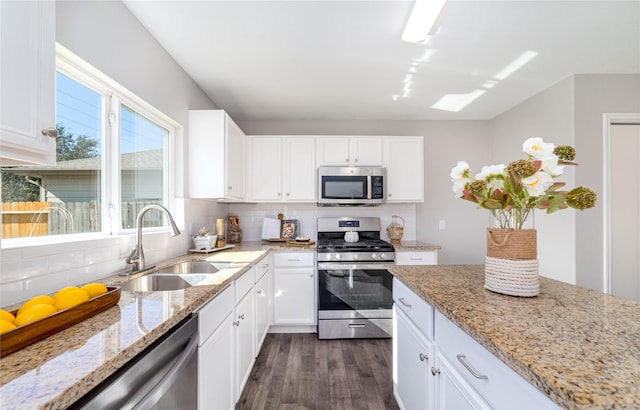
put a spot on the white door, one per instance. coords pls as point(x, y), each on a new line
point(624, 200)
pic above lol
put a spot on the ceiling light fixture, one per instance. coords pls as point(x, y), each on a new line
point(456, 102)
point(515, 65)
point(421, 21)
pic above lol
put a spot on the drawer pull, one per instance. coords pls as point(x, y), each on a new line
point(293, 260)
point(404, 302)
point(415, 259)
point(351, 325)
point(462, 358)
point(423, 357)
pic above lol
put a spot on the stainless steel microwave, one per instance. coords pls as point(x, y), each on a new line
point(351, 186)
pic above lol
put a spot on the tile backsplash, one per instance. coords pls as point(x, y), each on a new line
point(252, 215)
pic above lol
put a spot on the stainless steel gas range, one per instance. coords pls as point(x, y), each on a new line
point(355, 287)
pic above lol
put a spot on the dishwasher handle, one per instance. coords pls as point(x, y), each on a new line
point(167, 380)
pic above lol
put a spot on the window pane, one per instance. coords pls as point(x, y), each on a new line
point(142, 168)
point(63, 198)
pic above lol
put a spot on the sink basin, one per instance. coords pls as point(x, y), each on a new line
point(194, 267)
point(155, 282)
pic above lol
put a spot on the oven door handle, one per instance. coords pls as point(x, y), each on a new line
point(346, 266)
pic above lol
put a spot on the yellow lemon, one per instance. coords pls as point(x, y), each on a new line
point(34, 313)
point(4, 315)
point(94, 289)
point(38, 300)
point(71, 298)
point(5, 326)
point(62, 291)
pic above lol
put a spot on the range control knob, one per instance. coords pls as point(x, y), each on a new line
point(355, 256)
point(383, 256)
point(374, 256)
point(337, 256)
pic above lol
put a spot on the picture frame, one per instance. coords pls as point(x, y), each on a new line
point(289, 228)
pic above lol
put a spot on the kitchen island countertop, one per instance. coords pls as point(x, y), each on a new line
point(578, 346)
point(57, 371)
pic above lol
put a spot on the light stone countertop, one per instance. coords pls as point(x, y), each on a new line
point(55, 372)
point(579, 346)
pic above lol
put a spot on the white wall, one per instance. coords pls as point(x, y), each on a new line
point(106, 35)
point(594, 96)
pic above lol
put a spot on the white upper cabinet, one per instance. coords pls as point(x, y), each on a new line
point(281, 168)
point(404, 161)
point(27, 75)
point(350, 151)
point(216, 156)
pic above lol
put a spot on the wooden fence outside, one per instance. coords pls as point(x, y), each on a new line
point(25, 219)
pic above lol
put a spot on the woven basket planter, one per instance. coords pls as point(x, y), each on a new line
point(511, 265)
point(512, 243)
point(512, 277)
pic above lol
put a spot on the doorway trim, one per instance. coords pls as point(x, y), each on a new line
point(609, 119)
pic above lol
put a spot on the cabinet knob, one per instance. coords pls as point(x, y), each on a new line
point(236, 323)
point(356, 160)
point(259, 292)
point(241, 316)
point(423, 357)
point(435, 371)
point(288, 194)
point(229, 187)
point(346, 160)
point(389, 195)
point(50, 132)
point(279, 194)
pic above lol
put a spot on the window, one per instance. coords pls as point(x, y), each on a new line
point(113, 153)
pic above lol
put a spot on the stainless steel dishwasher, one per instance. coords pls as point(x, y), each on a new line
point(163, 376)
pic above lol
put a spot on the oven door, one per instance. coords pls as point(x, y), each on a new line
point(354, 287)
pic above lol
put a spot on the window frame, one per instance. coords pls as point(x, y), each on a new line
point(114, 96)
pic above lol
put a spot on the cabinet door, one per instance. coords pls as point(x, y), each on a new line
point(404, 160)
point(365, 151)
point(300, 169)
point(333, 151)
point(234, 160)
point(27, 75)
point(244, 334)
point(294, 296)
point(263, 296)
point(215, 369)
point(452, 392)
point(413, 356)
point(264, 163)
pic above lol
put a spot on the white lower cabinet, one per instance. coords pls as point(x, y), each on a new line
point(262, 291)
point(232, 327)
point(439, 366)
point(294, 288)
point(244, 330)
point(413, 355)
point(215, 353)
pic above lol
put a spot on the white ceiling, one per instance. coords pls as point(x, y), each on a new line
point(345, 60)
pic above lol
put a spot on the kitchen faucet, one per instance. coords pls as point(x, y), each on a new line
point(136, 257)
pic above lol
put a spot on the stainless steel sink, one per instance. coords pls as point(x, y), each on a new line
point(155, 282)
point(195, 267)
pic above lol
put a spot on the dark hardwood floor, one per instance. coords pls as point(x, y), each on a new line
point(298, 371)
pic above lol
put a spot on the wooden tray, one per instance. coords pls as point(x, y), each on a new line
point(300, 243)
point(23, 336)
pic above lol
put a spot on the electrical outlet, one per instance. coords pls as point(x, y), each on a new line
point(441, 224)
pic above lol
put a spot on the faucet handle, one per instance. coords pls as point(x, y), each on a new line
point(133, 257)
